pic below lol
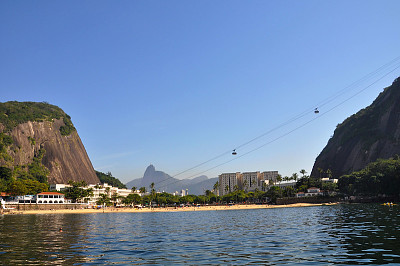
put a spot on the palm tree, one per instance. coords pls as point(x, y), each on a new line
point(245, 184)
point(152, 191)
point(133, 189)
point(295, 176)
point(279, 178)
point(303, 172)
point(320, 171)
point(107, 190)
point(216, 186)
point(114, 198)
point(329, 173)
point(142, 190)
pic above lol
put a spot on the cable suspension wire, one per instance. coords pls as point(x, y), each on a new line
point(326, 101)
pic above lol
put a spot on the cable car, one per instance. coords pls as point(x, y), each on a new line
point(234, 152)
point(316, 110)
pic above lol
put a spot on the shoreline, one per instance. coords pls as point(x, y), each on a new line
point(170, 209)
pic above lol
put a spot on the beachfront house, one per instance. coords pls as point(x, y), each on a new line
point(311, 192)
point(50, 198)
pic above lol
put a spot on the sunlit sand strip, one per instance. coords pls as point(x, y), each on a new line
point(171, 209)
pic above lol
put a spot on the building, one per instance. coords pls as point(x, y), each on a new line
point(332, 180)
point(59, 187)
point(228, 181)
point(98, 189)
point(269, 175)
point(250, 181)
point(311, 192)
point(49, 198)
point(284, 185)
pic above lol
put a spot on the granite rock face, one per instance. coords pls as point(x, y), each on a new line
point(370, 134)
point(65, 156)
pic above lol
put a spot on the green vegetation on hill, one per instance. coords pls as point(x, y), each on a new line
point(109, 179)
point(378, 178)
point(5, 142)
point(15, 113)
point(25, 179)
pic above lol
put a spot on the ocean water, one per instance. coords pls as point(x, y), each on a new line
point(359, 234)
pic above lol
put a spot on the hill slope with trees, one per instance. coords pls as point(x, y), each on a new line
point(370, 134)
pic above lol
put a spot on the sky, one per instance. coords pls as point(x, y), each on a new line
point(178, 83)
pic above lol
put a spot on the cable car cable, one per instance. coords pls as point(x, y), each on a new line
point(341, 103)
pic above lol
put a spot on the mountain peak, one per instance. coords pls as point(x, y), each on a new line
point(149, 170)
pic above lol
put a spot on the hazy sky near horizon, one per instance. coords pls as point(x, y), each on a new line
point(176, 83)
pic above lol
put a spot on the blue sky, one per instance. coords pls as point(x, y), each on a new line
point(176, 83)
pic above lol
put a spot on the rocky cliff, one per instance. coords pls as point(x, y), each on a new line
point(41, 128)
point(371, 133)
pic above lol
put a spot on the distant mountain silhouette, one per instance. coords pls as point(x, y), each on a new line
point(165, 182)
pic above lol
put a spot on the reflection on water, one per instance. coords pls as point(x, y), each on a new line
point(342, 234)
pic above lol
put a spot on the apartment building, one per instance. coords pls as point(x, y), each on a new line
point(250, 181)
point(228, 181)
point(269, 175)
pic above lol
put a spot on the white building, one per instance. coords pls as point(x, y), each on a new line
point(98, 189)
point(59, 187)
point(332, 180)
point(285, 184)
point(49, 198)
point(311, 192)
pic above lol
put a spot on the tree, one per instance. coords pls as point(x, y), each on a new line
point(329, 173)
point(303, 172)
point(133, 189)
point(295, 175)
point(152, 191)
point(216, 187)
point(279, 178)
point(320, 171)
point(245, 185)
point(107, 190)
point(17, 188)
point(273, 193)
point(5, 173)
point(208, 193)
point(34, 187)
point(131, 199)
point(142, 190)
point(114, 198)
point(104, 199)
point(78, 191)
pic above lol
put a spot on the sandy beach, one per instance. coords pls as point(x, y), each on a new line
point(169, 209)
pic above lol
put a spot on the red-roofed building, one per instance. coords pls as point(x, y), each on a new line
point(50, 197)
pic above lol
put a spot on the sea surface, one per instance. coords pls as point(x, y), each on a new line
point(358, 234)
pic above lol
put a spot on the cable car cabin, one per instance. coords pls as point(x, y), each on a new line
point(234, 152)
point(316, 110)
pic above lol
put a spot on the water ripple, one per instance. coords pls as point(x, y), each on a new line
point(342, 234)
